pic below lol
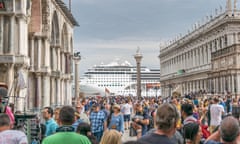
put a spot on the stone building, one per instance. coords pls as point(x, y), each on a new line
point(36, 46)
point(206, 59)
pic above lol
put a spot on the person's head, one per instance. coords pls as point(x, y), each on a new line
point(84, 129)
point(84, 102)
point(47, 113)
point(138, 107)
point(4, 122)
point(66, 115)
point(186, 110)
point(76, 115)
point(229, 129)
point(79, 107)
point(216, 100)
point(166, 118)
point(116, 108)
point(192, 133)
point(56, 113)
point(111, 137)
point(96, 107)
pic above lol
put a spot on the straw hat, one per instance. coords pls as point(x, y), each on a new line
point(116, 106)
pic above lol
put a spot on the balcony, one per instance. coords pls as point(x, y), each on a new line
point(11, 59)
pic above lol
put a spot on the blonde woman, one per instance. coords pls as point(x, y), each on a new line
point(111, 137)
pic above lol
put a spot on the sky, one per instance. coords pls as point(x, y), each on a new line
point(114, 29)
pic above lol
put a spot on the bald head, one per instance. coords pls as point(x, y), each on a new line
point(229, 129)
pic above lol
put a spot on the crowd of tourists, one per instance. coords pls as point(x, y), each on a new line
point(104, 120)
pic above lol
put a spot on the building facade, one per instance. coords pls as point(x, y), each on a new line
point(36, 46)
point(206, 59)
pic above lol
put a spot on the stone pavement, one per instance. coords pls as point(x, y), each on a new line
point(126, 136)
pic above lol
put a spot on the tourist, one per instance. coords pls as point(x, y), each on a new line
point(50, 123)
point(77, 120)
point(85, 129)
point(192, 133)
point(111, 137)
point(56, 114)
point(65, 133)
point(116, 119)
point(8, 136)
point(83, 115)
point(227, 133)
point(187, 113)
point(216, 112)
point(98, 121)
point(126, 110)
point(140, 121)
point(167, 116)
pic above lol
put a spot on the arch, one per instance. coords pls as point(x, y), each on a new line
point(55, 29)
point(64, 41)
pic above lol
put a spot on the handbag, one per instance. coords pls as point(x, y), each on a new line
point(132, 132)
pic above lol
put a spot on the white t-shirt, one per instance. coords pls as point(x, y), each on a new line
point(126, 109)
point(216, 112)
point(13, 137)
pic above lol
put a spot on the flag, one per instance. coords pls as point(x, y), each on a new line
point(107, 90)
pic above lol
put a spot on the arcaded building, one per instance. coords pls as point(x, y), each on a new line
point(36, 47)
point(207, 58)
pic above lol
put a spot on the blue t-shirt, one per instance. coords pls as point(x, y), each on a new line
point(51, 127)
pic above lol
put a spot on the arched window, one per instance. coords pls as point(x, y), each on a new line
point(55, 30)
point(54, 41)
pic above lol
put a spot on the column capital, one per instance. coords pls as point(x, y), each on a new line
point(38, 74)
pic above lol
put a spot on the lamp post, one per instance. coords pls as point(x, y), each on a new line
point(76, 58)
point(138, 58)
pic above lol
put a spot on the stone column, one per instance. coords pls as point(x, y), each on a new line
point(233, 85)
point(31, 89)
point(229, 83)
point(47, 53)
point(54, 50)
point(53, 90)
point(193, 59)
point(138, 58)
point(224, 84)
point(209, 55)
point(62, 92)
point(214, 85)
point(46, 90)
point(67, 93)
point(58, 59)
point(1, 33)
point(217, 84)
point(70, 92)
point(39, 51)
point(11, 35)
point(10, 79)
point(58, 101)
point(238, 83)
point(31, 53)
point(200, 56)
point(39, 92)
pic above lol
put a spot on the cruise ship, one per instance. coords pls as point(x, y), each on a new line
point(119, 78)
